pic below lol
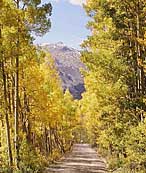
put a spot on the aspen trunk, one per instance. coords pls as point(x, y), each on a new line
point(16, 113)
point(6, 106)
point(16, 107)
point(140, 67)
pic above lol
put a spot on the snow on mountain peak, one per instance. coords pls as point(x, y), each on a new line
point(68, 63)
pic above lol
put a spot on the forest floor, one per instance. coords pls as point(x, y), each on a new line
point(82, 159)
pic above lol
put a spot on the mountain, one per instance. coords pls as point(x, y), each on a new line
point(68, 63)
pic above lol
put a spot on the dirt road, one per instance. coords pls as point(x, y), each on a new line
point(83, 159)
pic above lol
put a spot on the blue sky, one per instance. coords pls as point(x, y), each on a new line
point(68, 23)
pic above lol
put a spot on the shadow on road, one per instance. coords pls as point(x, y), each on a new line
point(82, 159)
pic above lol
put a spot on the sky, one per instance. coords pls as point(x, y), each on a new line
point(68, 23)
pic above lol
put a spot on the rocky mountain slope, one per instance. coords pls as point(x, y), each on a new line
point(68, 63)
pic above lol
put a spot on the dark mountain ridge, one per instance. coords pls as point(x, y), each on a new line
point(68, 63)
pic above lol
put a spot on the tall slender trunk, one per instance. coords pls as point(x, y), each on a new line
point(16, 112)
point(46, 141)
point(139, 56)
point(2, 61)
point(16, 107)
point(50, 139)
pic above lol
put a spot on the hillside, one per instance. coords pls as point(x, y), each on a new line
point(68, 63)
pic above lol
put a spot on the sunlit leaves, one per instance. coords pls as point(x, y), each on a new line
point(113, 104)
